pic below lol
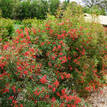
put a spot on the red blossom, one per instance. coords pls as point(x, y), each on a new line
point(63, 91)
point(56, 83)
point(53, 89)
point(6, 90)
point(20, 68)
point(22, 35)
point(54, 48)
point(5, 47)
point(68, 76)
point(21, 105)
point(43, 80)
point(59, 46)
point(25, 72)
point(53, 99)
point(57, 93)
point(37, 93)
point(33, 30)
point(49, 86)
point(35, 101)
point(62, 105)
point(88, 89)
point(60, 53)
point(46, 96)
point(77, 100)
point(62, 77)
point(14, 101)
point(11, 97)
point(14, 89)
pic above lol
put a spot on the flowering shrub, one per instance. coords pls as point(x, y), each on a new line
point(53, 64)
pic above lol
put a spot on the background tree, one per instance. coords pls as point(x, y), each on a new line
point(94, 10)
point(100, 4)
point(39, 8)
point(22, 10)
point(53, 6)
point(6, 7)
point(31, 9)
point(91, 3)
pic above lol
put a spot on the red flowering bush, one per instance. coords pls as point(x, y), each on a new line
point(52, 64)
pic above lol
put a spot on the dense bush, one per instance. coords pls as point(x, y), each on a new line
point(39, 9)
point(54, 63)
point(22, 10)
point(53, 6)
point(7, 7)
point(28, 9)
point(6, 28)
point(0, 13)
point(31, 22)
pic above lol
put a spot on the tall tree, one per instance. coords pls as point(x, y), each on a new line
point(91, 3)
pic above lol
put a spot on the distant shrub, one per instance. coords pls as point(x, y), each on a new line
point(53, 6)
point(0, 13)
point(39, 9)
point(7, 7)
point(6, 28)
point(29, 22)
point(22, 10)
point(27, 9)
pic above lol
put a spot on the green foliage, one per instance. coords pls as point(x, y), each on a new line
point(64, 5)
point(28, 9)
point(74, 10)
point(0, 13)
point(94, 10)
point(29, 22)
point(7, 8)
point(39, 8)
point(101, 4)
point(53, 6)
point(22, 10)
point(6, 28)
